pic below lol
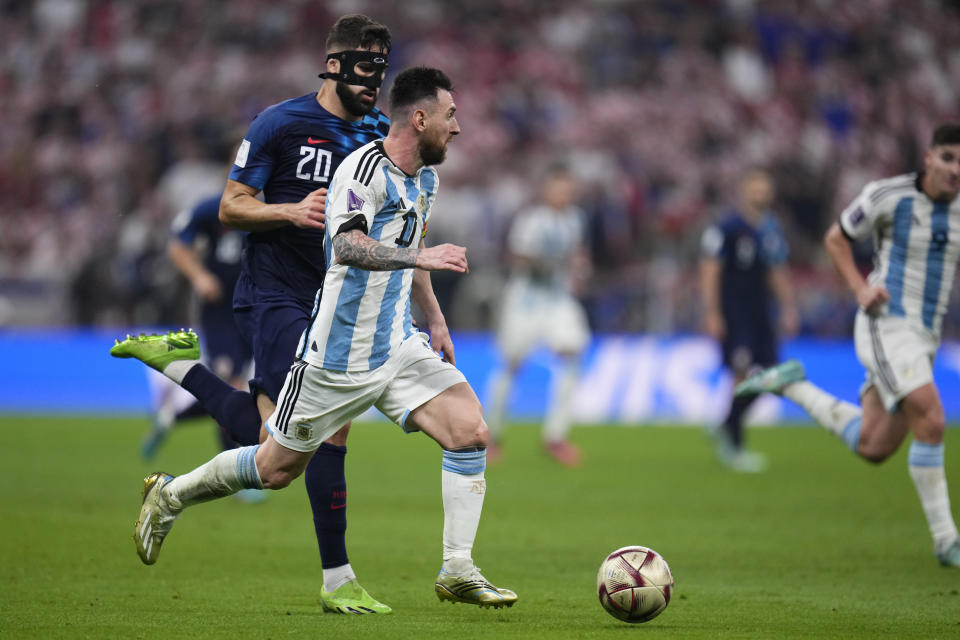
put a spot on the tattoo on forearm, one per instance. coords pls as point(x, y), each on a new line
point(356, 249)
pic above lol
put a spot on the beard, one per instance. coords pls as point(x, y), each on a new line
point(351, 101)
point(432, 152)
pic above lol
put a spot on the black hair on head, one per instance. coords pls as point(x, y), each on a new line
point(946, 133)
point(416, 83)
point(356, 31)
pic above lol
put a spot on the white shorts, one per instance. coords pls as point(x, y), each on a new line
point(532, 317)
point(314, 402)
point(898, 357)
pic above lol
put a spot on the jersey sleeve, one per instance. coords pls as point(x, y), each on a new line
point(353, 205)
point(860, 217)
point(775, 249)
point(523, 239)
point(711, 242)
point(256, 158)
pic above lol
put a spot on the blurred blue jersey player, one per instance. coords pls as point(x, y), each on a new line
point(207, 254)
point(743, 263)
point(289, 154)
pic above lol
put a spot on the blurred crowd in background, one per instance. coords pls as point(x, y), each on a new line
point(117, 114)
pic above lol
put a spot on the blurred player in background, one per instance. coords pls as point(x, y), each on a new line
point(290, 153)
point(361, 348)
point(548, 262)
point(207, 254)
point(742, 269)
point(914, 220)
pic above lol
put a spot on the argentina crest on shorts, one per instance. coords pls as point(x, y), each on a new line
point(303, 430)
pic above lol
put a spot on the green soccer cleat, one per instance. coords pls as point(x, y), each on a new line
point(771, 380)
point(351, 598)
point(950, 557)
point(472, 588)
point(156, 517)
point(158, 351)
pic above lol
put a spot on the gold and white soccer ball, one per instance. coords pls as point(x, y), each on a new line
point(634, 584)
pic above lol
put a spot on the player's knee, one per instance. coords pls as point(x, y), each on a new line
point(931, 428)
point(874, 455)
point(276, 478)
point(469, 429)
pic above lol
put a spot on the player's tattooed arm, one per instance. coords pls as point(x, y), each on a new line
point(354, 248)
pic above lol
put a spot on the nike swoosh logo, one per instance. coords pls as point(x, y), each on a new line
point(315, 141)
point(338, 506)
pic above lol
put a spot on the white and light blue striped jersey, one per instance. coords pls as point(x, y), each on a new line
point(550, 238)
point(361, 316)
point(916, 246)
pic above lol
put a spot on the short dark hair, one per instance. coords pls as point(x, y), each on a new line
point(414, 84)
point(355, 31)
point(946, 133)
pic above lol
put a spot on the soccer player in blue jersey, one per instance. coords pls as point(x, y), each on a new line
point(742, 269)
point(361, 348)
point(914, 220)
point(289, 154)
point(207, 254)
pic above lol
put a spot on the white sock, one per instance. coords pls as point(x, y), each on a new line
point(463, 488)
point(556, 426)
point(224, 475)
point(829, 411)
point(178, 369)
point(335, 578)
point(926, 469)
point(497, 407)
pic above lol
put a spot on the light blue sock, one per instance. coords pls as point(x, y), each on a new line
point(463, 489)
point(851, 433)
point(926, 469)
point(228, 472)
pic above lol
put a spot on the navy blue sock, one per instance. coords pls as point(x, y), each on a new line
point(195, 410)
point(734, 422)
point(327, 490)
point(235, 410)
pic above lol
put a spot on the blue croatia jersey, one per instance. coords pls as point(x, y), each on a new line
point(223, 245)
point(292, 149)
point(747, 253)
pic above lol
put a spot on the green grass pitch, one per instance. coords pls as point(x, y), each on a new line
point(820, 546)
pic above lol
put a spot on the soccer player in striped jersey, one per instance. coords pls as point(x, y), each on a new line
point(290, 153)
point(914, 220)
point(361, 348)
point(547, 246)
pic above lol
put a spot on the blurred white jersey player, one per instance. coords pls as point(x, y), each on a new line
point(548, 259)
point(914, 220)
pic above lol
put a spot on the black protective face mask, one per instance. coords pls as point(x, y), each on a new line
point(348, 64)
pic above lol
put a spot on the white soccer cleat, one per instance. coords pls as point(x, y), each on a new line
point(156, 517)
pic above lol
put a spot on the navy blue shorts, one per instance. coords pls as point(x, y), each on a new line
point(744, 350)
point(224, 347)
point(273, 326)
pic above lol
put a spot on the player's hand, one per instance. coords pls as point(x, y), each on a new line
point(441, 341)
point(789, 322)
point(443, 257)
point(207, 287)
point(310, 213)
point(871, 298)
point(714, 325)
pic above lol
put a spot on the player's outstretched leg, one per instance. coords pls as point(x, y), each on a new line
point(351, 598)
point(771, 380)
point(159, 350)
point(461, 581)
point(156, 517)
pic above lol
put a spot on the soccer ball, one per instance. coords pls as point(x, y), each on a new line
point(634, 584)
